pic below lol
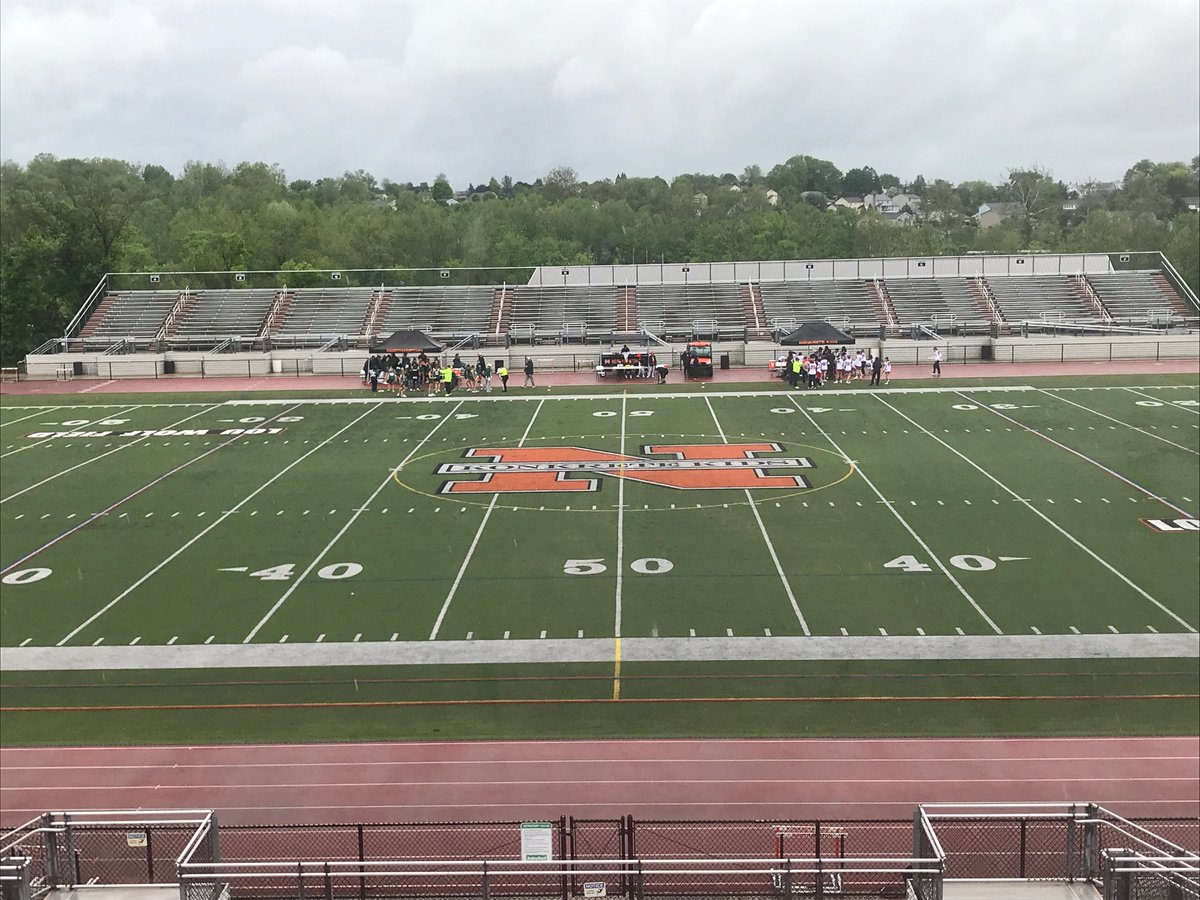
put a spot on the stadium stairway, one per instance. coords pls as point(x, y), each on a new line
point(178, 314)
point(377, 312)
point(753, 312)
point(1099, 310)
point(500, 318)
point(96, 317)
point(279, 313)
point(627, 310)
point(991, 312)
point(881, 302)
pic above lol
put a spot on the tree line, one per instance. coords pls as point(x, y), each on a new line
point(66, 222)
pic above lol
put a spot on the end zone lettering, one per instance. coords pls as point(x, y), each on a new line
point(151, 432)
point(1172, 526)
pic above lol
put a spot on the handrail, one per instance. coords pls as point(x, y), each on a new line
point(1177, 281)
point(176, 309)
point(884, 301)
point(1090, 293)
point(76, 323)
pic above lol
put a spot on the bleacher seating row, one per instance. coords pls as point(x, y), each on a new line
point(310, 317)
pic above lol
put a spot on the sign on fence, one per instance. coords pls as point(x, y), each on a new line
point(135, 838)
point(595, 889)
point(537, 842)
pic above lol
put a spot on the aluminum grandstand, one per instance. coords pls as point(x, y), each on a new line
point(158, 323)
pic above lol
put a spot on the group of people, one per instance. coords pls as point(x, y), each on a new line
point(818, 367)
point(401, 374)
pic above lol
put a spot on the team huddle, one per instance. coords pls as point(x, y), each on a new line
point(821, 366)
point(399, 375)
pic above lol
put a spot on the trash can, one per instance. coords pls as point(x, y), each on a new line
point(277, 366)
point(168, 367)
point(985, 352)
point(76, 368)
point(724, 360)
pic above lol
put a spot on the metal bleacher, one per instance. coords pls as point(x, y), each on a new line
point(552, 313)
point(447, 312)
point(840, 302)
point(318, 314)
point(1039, 297)
point(1133, 297)
point(693, 310)
point(934, 301)
point(214, 316)
point(132, 316)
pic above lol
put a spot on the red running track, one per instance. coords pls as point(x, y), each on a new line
point(666, 779)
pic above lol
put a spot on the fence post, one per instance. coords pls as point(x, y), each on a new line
point(787, 878)
point(1021, 869)
point(299, 881)
point(819, 887)
point(72, 863)
point(215, 833)
point(150, 855)
point(562, 851)
point(486, 885)
point(1091, 845)
point(362, 881)
point(50, 841)
point(328, 883)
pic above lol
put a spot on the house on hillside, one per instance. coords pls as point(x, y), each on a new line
point(992, 214)
point(772, 198)
point(1191, 204)
point(849, 202)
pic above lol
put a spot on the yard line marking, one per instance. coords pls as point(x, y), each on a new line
point(47, 440)
point(787, 586)
point(349, 522)
point(41, 411)
point(904, 522)
point(1037, 512)
point(620, 542)
point(209, 528)
point(1119, 422)
point(437, 625)
point(1088, 459)
point(1171, 403)
point(142, 489)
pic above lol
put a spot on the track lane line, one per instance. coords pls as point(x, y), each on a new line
point(891, 507)
point(787, 585)
point(353, 518)
point(225, 515)
point(1041, 515)
point(437, 625)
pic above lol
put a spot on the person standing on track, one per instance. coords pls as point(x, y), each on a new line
point(503, 373)
point(529, 373)
point(876, 368)
point(887, 370)
point(937, 362)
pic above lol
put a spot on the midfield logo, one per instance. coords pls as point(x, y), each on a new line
point(687, 467)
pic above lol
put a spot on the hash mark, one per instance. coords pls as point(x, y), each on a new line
point(358, 637)
point(883, 632)
point(173, 639)
point(691, 632)
point(395, 634)
point(921, 631)
point(283, 640)
point(767, 632)
point(579, 633)
point(320, 637)
point(845, 633)
point(543, 635)
point(1074, 630)
point(1151, 629)
point(1034, 628)
point(209, 639)
point(506, 635)
point(97, 642)
point(26, 641)
point(958, 630)
point(729, 632)
point(1113, 630)
point(135, 640)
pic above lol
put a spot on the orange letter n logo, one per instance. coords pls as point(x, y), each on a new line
point(688, 467)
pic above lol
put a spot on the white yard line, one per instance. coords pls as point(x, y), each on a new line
point(437, 625)
point(125, 593)
point(1096, 412)
point(1037, 512)
point(46, 440)
point(41, 411)
point(620, 531)
point(102, 455)
point(353, 518)
point(762, 528)
point(1133, 484)
point(891, 507)
point(1192, 410)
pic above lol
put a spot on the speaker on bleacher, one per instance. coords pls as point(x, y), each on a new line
point(154, 279)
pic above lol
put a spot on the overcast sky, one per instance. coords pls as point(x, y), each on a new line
point(960, 89)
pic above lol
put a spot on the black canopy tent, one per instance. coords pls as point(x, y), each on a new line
point(819, 333)
point(406, 342)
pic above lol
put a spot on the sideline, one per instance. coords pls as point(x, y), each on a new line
point(600, 650)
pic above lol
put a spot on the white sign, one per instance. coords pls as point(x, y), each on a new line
point(536, 841)
point(135, 838)
point(595, 889)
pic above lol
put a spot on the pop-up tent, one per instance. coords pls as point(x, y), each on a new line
point(821, 333)
point(406, 342)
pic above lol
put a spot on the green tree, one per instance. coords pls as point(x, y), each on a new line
point(441, 189)
point(860, 182)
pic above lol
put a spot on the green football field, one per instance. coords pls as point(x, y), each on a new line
point(562, 545)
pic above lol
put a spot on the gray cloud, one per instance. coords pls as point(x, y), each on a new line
point(479, 89)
